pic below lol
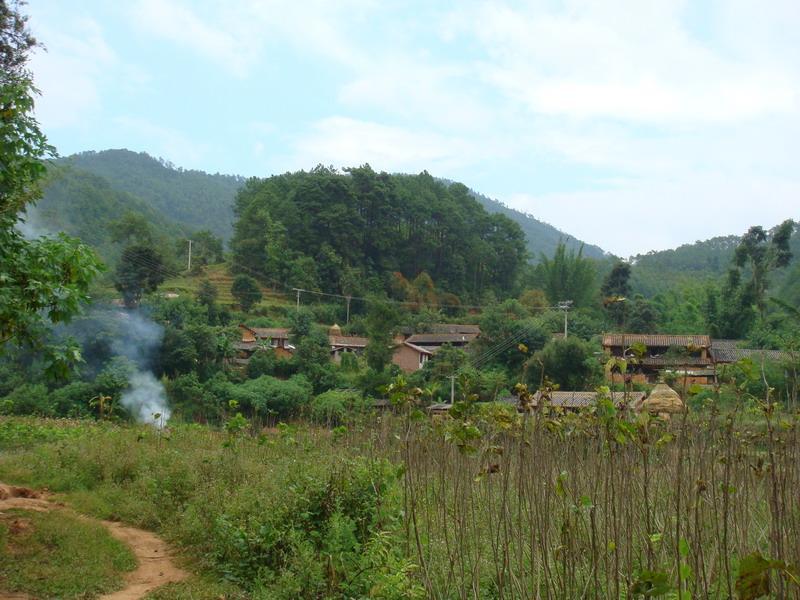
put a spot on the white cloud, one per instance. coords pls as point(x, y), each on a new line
point(655, 214)
point(69, 72)
point(632, 61)
point(343, 141)
point(181, 25)
point(239, 36)
point(165, 142)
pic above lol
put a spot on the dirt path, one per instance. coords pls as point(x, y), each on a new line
point(155, 568)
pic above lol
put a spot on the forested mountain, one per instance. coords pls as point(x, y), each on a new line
point(658, 271)
point(83, 205)
point(195, 199)
point(702, 261)
point(541, 237)
point(205, 201)
point(348, 232)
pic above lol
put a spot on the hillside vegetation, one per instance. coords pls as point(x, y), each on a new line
point(83, 205)
point(198, 200)
point(349, 232)
point(541, 237)
point(191, 198)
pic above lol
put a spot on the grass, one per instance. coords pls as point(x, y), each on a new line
point(483, 504)
point(58, 555)
point(222, 279)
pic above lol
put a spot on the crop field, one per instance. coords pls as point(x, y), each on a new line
point(481, 504)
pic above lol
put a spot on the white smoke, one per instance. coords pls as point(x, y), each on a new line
point(30, 224)
point(146, 399)
point(137, 338)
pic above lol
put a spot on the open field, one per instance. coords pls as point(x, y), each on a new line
point(482, 506)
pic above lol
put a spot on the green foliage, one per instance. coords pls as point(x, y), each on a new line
point(380, 323)
point(193, 199)
point(337, 407)
point(643, 316)
point(59, 555)
point(140, 271)
point(270, 396)
point(344, 232)
point(570, 363)
point(504, 322)
point(43, 281)
point(88, 207)
point(541, 237)
point(566, 276)
point(763, 254)
point(246, 291)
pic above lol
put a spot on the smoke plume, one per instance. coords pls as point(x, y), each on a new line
point(146, 400)
point(138, 339)
point(106, 333)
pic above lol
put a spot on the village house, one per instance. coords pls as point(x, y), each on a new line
point(575, 401)
point(570, 401)
point(413, 351)
point(726, 352)
point(686, 356)
point(256, 338)
point(344, 344)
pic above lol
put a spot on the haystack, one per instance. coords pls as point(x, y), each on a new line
point(663, 400)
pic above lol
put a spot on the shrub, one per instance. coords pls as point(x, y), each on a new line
point(28, 399)
point(335, 407)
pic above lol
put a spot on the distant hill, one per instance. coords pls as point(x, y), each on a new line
point(83, 204)
point(201, 200)
point(702, 261)
point(541, 237)
point(191, 198)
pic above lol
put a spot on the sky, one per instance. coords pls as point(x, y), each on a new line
point(635, 125)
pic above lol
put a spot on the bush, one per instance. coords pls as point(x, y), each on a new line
point(263, 362)
point(72, 400)
point(270, 396)
point(28, 399)
point(336, 407)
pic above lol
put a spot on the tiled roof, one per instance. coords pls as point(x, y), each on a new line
point(658, 341)
point(270, 332)
point(566, 399)
point(425, 339)
point(348, 341)
point(420, 349)
point(455, 328)
point(666, 361)
point(729, 353)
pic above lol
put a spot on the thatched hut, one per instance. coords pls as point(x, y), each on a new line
point(663, 401)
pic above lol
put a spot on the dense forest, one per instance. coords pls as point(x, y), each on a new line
point(194, 199)
point(198, 200)
point(348, 232)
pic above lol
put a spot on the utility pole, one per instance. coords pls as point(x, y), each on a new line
point(565, 306)
point(298, 290)
point(452, 388)
point(189, 268)
point(348, 309)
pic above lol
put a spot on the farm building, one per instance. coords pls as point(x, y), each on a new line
point(414, 351)
point(649, 356)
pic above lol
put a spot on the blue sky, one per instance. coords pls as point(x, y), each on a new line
point(634, 125)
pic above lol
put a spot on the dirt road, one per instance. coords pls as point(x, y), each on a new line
point(155, 568)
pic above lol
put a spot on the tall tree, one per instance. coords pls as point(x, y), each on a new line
point(140, 271)
point(764, 254)
point(381, 321)
point(246, 291)
point(567, 276)
point(42, 281)
point(615, 289)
